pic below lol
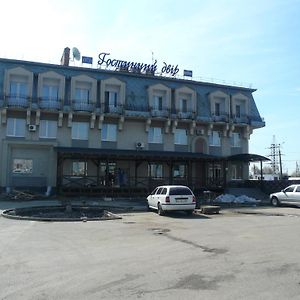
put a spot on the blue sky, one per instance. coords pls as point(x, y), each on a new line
point(252, 42)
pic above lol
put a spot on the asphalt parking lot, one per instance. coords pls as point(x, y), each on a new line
point(242, 253)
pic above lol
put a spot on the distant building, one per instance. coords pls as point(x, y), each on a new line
point(76, 129)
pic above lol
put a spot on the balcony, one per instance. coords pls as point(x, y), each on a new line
point(159, 113)
point(82, 106)
point(240, 119)
point(187, 115)
point(136, 111)
point(17, 101)
point(115, 110)
point(50, 104)
point(220, 117)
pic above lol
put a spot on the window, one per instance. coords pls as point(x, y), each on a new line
point(109, 133)
point(50, 92)
point(80, 131)
point(15, 127)
point(183, 105)
point(157, 102)
point(238, 111)
point(236, 139)
point(214, 171)
point(180, 191)
point(111, 98)
point(297, 189)
point(48, 129)
point(217, 109)
point(159, 191)
point(18, 90)
point(155, 171)
point(180, 137)
point(215, 139)
point(155, 135)
point(164, 191)
point(82, 95)
point(179, 171)
point(79, 168)
point(289, 189)
point(22, 166)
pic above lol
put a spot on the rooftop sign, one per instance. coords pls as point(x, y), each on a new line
point(136, 66)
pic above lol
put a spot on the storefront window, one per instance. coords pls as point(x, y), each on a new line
point(22, 166)
point(179, 171)
point(79, 168)
point(155, 171)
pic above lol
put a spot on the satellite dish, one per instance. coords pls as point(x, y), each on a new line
point(76, 53)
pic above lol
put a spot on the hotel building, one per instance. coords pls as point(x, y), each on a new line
point(118, 132)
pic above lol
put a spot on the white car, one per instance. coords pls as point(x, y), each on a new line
point(170, 198)
point(290, 195)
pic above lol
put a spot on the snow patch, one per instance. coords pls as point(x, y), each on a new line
point(228, 198)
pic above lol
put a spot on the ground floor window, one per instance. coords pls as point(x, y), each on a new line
point(215, 171)
point(236, 172)
point(79, 168)
point(22, 166)
point(155, 170)
point(179, 171)
point(108, 173)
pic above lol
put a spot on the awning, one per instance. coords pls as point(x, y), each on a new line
point(74, 152)
point(247, 157)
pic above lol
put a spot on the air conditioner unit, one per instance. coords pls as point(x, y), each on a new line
point(32, 127)
point(200, 131)
point(139, 145)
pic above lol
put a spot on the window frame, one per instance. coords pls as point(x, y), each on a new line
point(76, 133)
point(19, 163)
point(15, 130)
point(47, 129)
point(214, 140)
point(109, 132)
point(155, 170)
point(155, 135)
point(180, 138)
point(236, 141)
point(85, 168)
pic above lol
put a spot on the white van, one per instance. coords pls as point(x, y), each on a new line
point(172, 197)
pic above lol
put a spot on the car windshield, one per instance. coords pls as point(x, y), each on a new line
point(180, 191)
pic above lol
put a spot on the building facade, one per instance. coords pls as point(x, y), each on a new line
point(75, 129)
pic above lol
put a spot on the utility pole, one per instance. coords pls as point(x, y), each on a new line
point(280, 163)
point(276, 158)
point(297, 169)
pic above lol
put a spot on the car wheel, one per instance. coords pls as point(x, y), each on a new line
point(275, 201)
point(160, 211)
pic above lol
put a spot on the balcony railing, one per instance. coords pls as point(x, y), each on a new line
point(112, 109)
point(185, 115)
point(82, 106)
point(241, 118)
point(17, 101)
point(220, 117)
point(161, 113)
point(50, 104)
